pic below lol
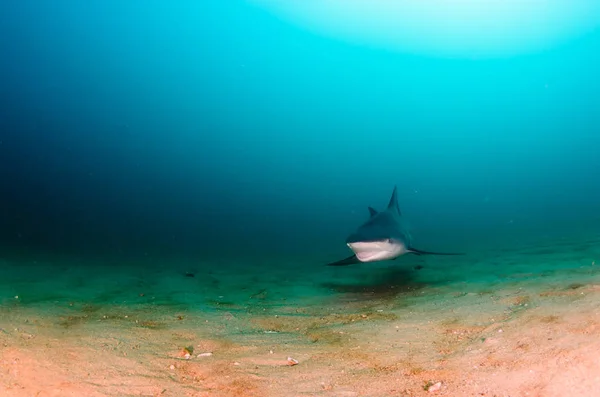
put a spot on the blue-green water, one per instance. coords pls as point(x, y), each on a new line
point(206, 156)
point(217, 129)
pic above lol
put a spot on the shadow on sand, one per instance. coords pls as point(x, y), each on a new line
point(385, 284)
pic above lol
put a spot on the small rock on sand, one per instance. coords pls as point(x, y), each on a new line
point(435, 387)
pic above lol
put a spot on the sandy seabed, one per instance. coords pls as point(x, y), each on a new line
point(520, 323)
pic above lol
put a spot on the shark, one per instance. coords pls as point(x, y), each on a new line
point(384, 236)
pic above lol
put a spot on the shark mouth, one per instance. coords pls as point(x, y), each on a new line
point(372, 251)
point(367, 256)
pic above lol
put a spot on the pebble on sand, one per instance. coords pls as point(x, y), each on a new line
point(435, 387)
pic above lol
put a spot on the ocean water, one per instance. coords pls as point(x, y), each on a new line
point(205, 160)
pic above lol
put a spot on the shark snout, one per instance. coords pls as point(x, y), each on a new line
point(359, 238)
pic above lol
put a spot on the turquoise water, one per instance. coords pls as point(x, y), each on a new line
point(220, 130)
point(210, 157)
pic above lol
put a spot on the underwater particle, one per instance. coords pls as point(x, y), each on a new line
point(292, 361)
point(262, 294)
point(418, 267)
point(190, 274)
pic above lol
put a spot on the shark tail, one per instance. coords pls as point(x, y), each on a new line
point(351, 260)
point(421, 252)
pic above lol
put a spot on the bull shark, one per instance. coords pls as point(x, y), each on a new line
point(384, 236)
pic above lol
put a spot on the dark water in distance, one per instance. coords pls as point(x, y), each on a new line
point(212, 129)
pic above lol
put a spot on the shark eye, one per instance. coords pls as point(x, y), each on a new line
point(390, 241)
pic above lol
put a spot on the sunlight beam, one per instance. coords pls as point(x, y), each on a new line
point(454, 28)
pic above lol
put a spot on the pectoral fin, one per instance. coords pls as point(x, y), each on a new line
point(351, 260)
point(421, 252)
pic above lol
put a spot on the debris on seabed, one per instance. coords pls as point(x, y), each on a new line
point(292, 361)
point(186, 353)
point(435, 387)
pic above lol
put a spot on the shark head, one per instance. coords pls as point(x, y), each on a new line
point(377, 250)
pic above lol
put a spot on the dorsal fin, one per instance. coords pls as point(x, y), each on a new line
point(372, 211)
point(393, 204)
